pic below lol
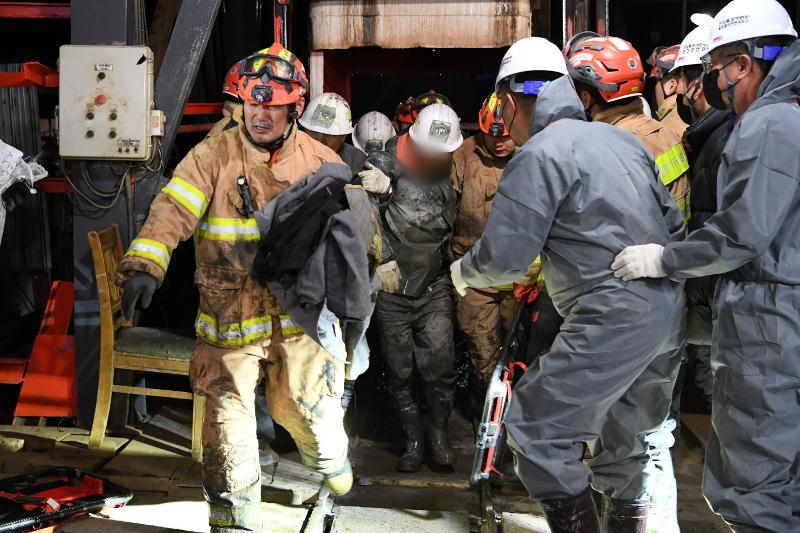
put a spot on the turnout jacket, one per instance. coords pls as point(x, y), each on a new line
point(203, 200)
point(665, 147)
point(668, 115)
point(475, 175)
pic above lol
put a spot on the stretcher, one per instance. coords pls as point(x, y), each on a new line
point(45, 498)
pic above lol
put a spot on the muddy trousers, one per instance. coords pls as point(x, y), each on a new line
point(418, 330)
point(484, 317)
point(607, 382)
point(305, 384)
point(752, 468)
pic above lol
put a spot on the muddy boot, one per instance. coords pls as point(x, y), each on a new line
point(438, 444)
point(624, 516)
point(414, 454)
point(572, 515)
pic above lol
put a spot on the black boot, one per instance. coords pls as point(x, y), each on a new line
point(414, 454)
point(572, 515)
point(624, 516)
point(438, 444)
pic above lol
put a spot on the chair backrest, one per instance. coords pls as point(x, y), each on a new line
point(107, 252)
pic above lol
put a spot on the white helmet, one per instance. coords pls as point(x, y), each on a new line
point(372, 131)
point(328, 113)
point(749, 19)
point(693, 47)
point(437, 129)
point(530, 54)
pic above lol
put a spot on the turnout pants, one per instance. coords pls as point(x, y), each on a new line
point(751, 469)
point(419, 330)
point(304, 387)
point(606, 381)
point(484, 315)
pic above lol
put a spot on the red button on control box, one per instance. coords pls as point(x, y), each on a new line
point(100, 99)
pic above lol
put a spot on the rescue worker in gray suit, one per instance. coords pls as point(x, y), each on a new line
point(414, 313)
point(577, 193)
point(753, 240)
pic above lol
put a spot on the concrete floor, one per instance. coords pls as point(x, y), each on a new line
point(168, 494)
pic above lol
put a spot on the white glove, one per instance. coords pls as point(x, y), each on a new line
point(389, 274)
point(636, 262)
point(458, 282)
point(374, 180)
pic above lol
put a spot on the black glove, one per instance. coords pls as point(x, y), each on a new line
point(140, 286)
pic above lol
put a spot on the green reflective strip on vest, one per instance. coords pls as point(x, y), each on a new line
point(684, 206)
point(243, 333)
point(673, 164)
point(186, 195)
point(233, 517)
point(149, 249)
point(228, 229)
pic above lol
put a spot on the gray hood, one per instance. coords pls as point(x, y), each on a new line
point(556, 101)
point(783, 80)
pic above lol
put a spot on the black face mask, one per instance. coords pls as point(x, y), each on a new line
point(686, 110)
point(712, 91)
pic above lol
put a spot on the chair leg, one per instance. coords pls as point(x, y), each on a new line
point(101, 408)
point(198, 413)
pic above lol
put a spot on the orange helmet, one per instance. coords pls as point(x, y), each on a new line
point(662, 59)
point(490, 118)
point(576, 40)
point(404, 113)
point(610, 65)
point(273, 76)
point(230, 87)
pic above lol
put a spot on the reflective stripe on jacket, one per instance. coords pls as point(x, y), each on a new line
point(665, 147)
point(203, 200)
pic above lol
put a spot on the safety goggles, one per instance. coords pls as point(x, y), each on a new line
point(766, 53)
point(274, 67)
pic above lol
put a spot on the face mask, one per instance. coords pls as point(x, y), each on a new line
point(712, 90)
point(687, 110)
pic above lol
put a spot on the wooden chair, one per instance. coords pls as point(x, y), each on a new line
point(133, 348)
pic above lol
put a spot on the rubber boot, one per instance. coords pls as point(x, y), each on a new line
point(341, 483)
point(572, 515)
point(623, 516)
point(347, 395)
point(438, 443)
point(414, 454)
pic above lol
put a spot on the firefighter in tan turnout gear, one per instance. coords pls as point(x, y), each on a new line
point(243, 334)
point(483, 314)
point(609, 76)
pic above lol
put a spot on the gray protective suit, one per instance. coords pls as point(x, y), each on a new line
point(752, 463)
point(578, 193)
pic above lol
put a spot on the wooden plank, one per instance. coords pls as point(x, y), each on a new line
point(145, 363)
point(452, 24)
point(162, 393)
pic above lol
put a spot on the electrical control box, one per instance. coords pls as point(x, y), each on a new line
point(105, 103)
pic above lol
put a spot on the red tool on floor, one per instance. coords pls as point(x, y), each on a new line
point(42, 499)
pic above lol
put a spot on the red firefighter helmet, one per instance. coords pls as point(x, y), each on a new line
point(404, 113)
point(490, 118)
point(662, 59)
point(230, 86)
point(273, 76)
point(610, 65)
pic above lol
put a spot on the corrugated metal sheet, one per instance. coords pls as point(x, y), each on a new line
point(19, 115)
point(337, 24)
